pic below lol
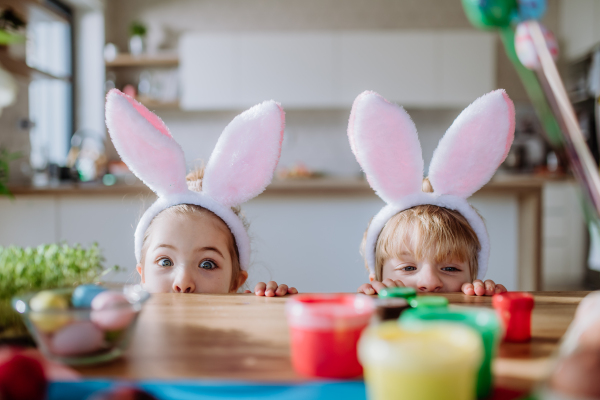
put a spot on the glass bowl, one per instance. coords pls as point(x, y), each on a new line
point(83, 336)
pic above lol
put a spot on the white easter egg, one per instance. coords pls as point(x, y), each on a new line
point(111, 311)
point(76, 339)
point(526, 50)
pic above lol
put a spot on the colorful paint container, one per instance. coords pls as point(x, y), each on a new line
point(324, 332)
point(482, 320)
point(435, 361)
point(403, 292)
point(390, 308)
point(514, 309)
point(429, 302)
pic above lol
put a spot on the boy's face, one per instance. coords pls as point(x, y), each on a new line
point(426, 275)
point(187, 254)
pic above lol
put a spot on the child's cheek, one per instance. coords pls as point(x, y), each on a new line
point(157, 281)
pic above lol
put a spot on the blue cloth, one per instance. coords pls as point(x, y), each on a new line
point(216, 390)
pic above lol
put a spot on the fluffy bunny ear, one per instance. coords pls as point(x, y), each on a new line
point(385, 142)
point(244, 159)
point(474, 146)
point(145, 144)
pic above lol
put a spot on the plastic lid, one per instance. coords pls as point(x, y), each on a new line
point(432, 346)
point(329, 311)
point(429, 302)
point(404, 292)
point(513, 301)
point(482, 319)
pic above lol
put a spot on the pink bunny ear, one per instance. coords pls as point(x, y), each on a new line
point(244, 159)
point(384, 140)
point(145, 144)
point(474, 146)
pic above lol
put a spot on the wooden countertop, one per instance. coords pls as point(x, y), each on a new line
point(245, 337)
point(327, 185)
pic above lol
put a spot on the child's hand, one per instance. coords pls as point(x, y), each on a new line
point(479, 288)
point(272, 289)
point(376, 286)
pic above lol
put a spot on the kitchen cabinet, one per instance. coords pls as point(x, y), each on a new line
point(329, 69)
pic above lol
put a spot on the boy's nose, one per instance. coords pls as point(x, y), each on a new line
point(429, 281)
point(183, 283)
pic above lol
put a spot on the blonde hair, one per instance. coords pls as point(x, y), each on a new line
point(427, 231)
point(194, 180)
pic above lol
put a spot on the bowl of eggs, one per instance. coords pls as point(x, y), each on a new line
point(85, 325)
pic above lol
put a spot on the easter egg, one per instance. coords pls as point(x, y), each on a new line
point(76, 339)
point(488, 14)
point(111, 311)
point(41, 305)
point(526, 50)
point(84, 294)
point(22, 378)
point(577, 375)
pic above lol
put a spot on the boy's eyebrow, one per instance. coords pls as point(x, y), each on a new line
point(208, 248)
point(168, 246)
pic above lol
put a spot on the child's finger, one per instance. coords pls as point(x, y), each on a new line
point(468, 289)
point(377, 286)
point(247, 291)
point(500, 289)
point(366, 288)
point(399, 283)
point(282, 290)
point(490, 287)
point(271, 288)
point(293, 290)
point(260, 288)
point(389, 283)
point(479, 287)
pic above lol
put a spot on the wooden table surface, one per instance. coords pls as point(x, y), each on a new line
point(245, 337)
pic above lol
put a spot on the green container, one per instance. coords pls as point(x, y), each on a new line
point(483, 320)
point(490, 14)
point(429, 302)
point(402, 292)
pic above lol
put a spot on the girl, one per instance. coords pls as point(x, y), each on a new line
point(428, 236)
point(192, 239)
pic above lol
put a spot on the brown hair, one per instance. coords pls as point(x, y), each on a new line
point(427, 231)
point(194, 180)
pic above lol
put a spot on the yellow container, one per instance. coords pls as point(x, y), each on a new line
point(436, 361)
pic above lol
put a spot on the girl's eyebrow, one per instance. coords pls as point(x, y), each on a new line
point(209, 248)
point(168, 246)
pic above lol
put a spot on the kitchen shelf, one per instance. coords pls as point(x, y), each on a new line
point(145, 60)
point(20, 68)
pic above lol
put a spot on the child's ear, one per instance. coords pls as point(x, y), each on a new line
point(140, 271)
point(241, 279)
point(371, 277)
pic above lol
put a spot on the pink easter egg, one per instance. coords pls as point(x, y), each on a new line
point(111, 311)
point(76, 339)
point(526, 50)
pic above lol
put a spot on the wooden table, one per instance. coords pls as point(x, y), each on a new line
point(245, 337)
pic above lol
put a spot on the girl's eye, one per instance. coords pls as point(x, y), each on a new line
point(450, 269)
point(208, 264)
point(408, 268)
point(165, 262)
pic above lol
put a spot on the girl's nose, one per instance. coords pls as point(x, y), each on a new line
point(429, 280)
point(184, 283)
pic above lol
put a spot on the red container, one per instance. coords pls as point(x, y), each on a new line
point(514, 309)
point(324, 332)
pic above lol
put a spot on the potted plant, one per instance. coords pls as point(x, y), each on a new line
point(5, 158)
point(137, 31)
point(47, 266)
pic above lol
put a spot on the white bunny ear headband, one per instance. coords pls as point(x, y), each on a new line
point(240, 167)
point(384, 140)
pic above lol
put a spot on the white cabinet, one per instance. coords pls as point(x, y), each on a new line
point(329, 69)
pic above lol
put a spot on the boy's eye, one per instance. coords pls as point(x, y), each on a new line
point(408, 268)
point(165, 262)
point(450, 269)
point(208, 264)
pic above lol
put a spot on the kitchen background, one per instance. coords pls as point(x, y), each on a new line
point(203, 62)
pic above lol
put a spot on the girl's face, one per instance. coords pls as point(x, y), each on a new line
point(188, 254)
point(427, 275)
